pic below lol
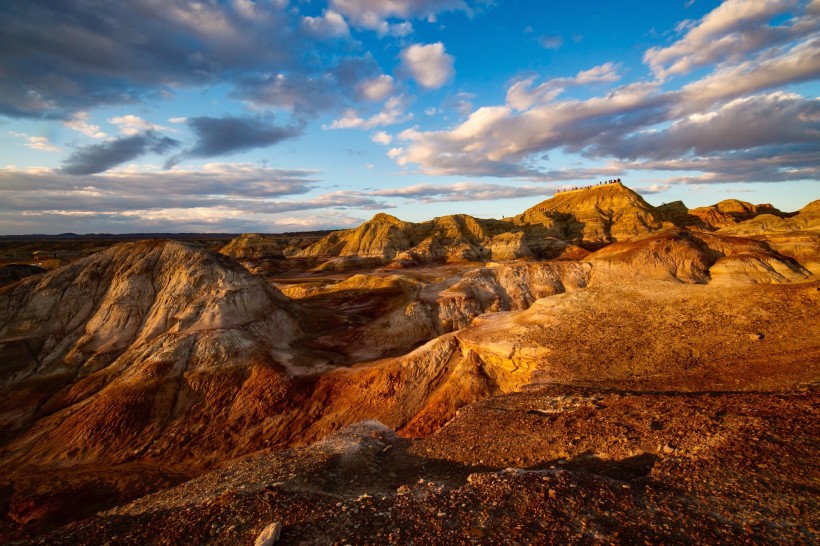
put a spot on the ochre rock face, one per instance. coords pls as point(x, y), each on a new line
point(730, 212)
point(694, 257)
point(561, 226)
point(253, 246)
point(597, 215)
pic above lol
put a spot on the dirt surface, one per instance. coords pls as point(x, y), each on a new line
point(552, 465)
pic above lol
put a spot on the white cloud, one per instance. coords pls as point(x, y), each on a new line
point(461, 191)
point(393, 112)
point(376, 89)
point(36, 142)
point(800, 63)
point(718, 119)
point(428, 64)
point(374, 14)
point(329, 25)
point(521, 95)
point(131, 125)
point(79, 123)
point(218, 197)
point(400, 30)
point(177, 120)
point(735, 27)
point(381, 137)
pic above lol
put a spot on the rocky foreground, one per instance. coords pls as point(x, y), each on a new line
point(593, 371)
point(550, 465)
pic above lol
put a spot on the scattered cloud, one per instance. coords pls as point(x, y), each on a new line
point(733, 29)
point(36, 142)
point(381, 137)
point(776, 118)
point(97, 158)
point(66, 57)
point(551, 41)
point(376, 89)
point(133, 125)
point(653, 189)
point(393, 112)
point(429, 65)
point(328, 26)
point(521, 95)
point(724, 124)
point(462, 191)
point(79, 123)
point(229, 135)
point(218, 197)
point(374, 14)
point(461, 103)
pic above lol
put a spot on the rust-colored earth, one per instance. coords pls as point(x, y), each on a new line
point(593, 371)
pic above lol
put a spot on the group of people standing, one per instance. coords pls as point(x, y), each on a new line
point(604, 183)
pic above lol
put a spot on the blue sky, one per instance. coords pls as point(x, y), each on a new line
point(277, 115)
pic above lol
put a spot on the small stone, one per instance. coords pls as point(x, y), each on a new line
point(757, 336)
point(552, 493)
point(270, 535)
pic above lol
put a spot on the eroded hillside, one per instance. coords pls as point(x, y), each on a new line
point(148, 364)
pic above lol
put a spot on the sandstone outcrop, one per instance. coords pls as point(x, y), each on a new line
point(806, 219)
point(594, 216)
point(253, 246)
point(557, 228)
point(694, 257)
point(730, 212)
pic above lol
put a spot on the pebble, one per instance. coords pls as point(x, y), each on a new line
point(270, 535)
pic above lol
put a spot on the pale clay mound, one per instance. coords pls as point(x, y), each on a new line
point(132, 344)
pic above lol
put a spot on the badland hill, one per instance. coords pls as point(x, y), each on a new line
point(595, 369)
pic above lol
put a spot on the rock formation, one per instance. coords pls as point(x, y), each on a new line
point(694, 257)
point(253, 246)
point(118, 353)
point(729, 212)
point(594, 216)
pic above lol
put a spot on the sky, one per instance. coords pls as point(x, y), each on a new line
point(288, 115)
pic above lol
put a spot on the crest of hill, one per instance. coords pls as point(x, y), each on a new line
point(590, 217)
point(730, 212)
point(253, 246)
point(386, 237)
point(596, 215)
point(806, 219)
point(695, 257)
point(564, 225)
